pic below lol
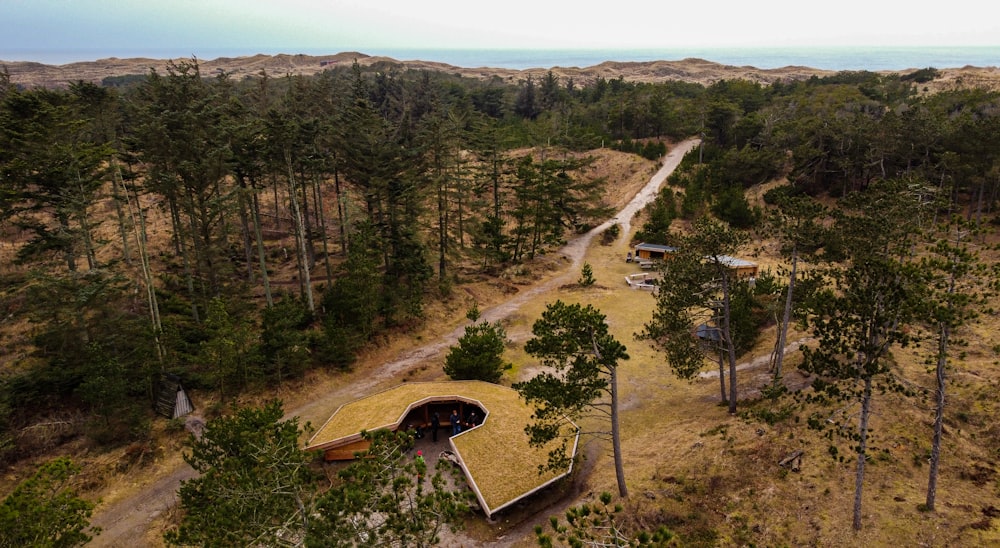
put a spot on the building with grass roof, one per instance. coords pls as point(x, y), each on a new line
point(499, 464)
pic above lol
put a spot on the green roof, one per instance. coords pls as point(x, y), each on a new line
point(499, 463)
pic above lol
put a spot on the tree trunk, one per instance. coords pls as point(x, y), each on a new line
point(722, 373)
point(306, 221)
point(300, 237)
point(277, 202)
point(460, 212)
point(175, 221)
point(442, 228)
point(88, 240)
point(616, 439)
point(536, 235)
point(496, 180)
point(243, 205)
point(866, 402)
point(321, 222)
point(255, 208)
point(116, 186)
point(341, 214)
point(86, 236)
point(139, 227)
point(201, 238)
point(728, 339)
point(189, 278)
point(938, 417)
point(779, 351)
point(68, 254)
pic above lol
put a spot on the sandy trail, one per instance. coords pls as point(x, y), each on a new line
point(758, 362)
point(124, 523)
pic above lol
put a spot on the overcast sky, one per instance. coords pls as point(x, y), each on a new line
point(292, 26)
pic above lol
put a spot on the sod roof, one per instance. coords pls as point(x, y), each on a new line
point(499, 463)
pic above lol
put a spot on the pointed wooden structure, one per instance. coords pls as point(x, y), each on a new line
point(171, 399)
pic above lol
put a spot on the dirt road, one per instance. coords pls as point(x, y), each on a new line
point(124, 523)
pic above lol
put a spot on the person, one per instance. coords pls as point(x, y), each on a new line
point(456, 423)
point(435, 424)
point(421, 465)
point(628, 258)
point(473, 419)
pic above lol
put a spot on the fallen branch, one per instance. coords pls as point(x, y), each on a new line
point(45, 424)
point(795, 460)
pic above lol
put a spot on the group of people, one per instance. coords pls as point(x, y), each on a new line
point(471, 421)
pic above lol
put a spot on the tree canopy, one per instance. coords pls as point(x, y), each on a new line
point(45, 511)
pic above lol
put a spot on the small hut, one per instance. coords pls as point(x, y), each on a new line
point(741, 268)
point(653, 252)
point(171, 399)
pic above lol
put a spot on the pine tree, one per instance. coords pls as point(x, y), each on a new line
point(255, 486)
point(573, 343)
point(479, 354)
point(866, 309)
point(384, 498)
point(699, 293)
point(45, 511)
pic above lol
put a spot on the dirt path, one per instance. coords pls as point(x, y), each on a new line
point(125, 522)
point(759, 361)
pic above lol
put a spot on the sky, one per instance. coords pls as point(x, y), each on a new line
point(175, 28)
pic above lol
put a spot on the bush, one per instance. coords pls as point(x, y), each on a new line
point(659, 216)
point(921, 76)
point(586, 276)
point(731, 206)
point(611, 234)
point(479, 354)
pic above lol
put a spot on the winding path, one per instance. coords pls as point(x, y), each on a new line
point(125, 522)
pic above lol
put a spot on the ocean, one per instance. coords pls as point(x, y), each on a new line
point(828, 58)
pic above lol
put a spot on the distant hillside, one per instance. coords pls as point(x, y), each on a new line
point(31, 74)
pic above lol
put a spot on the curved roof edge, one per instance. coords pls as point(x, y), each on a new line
point(490, 511)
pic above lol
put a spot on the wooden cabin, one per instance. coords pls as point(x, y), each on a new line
point(741, 268)
point(652, 252)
